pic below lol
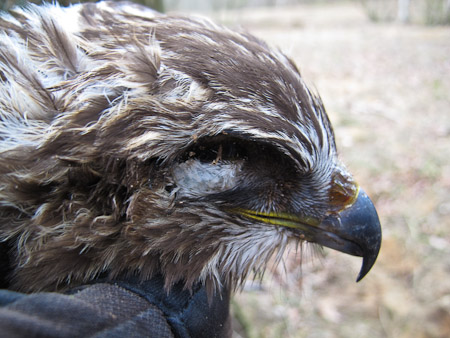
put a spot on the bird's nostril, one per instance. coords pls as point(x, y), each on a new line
point(343, 191)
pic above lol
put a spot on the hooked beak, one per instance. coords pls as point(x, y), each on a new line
point(355, 230)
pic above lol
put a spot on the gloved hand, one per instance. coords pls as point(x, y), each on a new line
point(124, 308)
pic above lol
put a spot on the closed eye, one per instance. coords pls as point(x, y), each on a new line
point(226, 149)
point(218, 149)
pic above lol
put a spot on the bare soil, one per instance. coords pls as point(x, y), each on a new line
point(386, 88)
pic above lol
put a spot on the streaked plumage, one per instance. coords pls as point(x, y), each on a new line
point(138, 143)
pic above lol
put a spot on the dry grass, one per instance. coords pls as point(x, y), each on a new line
point(386, 88)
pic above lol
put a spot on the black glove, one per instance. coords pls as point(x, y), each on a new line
point(122, 308)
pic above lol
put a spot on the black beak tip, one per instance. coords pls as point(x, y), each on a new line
point(368, 262)
point(366, 222)
point(355, 230)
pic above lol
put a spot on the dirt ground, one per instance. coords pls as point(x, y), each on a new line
point(386, 88)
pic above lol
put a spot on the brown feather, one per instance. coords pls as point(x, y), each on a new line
point(102, 104)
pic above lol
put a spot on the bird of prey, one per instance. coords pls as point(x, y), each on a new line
point(134, 143)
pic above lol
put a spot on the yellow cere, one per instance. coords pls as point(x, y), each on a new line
point(294, 221)
point(352, 199)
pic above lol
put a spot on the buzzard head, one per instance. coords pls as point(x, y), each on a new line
point(135, 143)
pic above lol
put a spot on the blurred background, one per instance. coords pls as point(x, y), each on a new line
point(382, 68)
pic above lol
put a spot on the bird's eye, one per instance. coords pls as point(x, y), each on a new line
point(170, 187)
point(217, 150)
